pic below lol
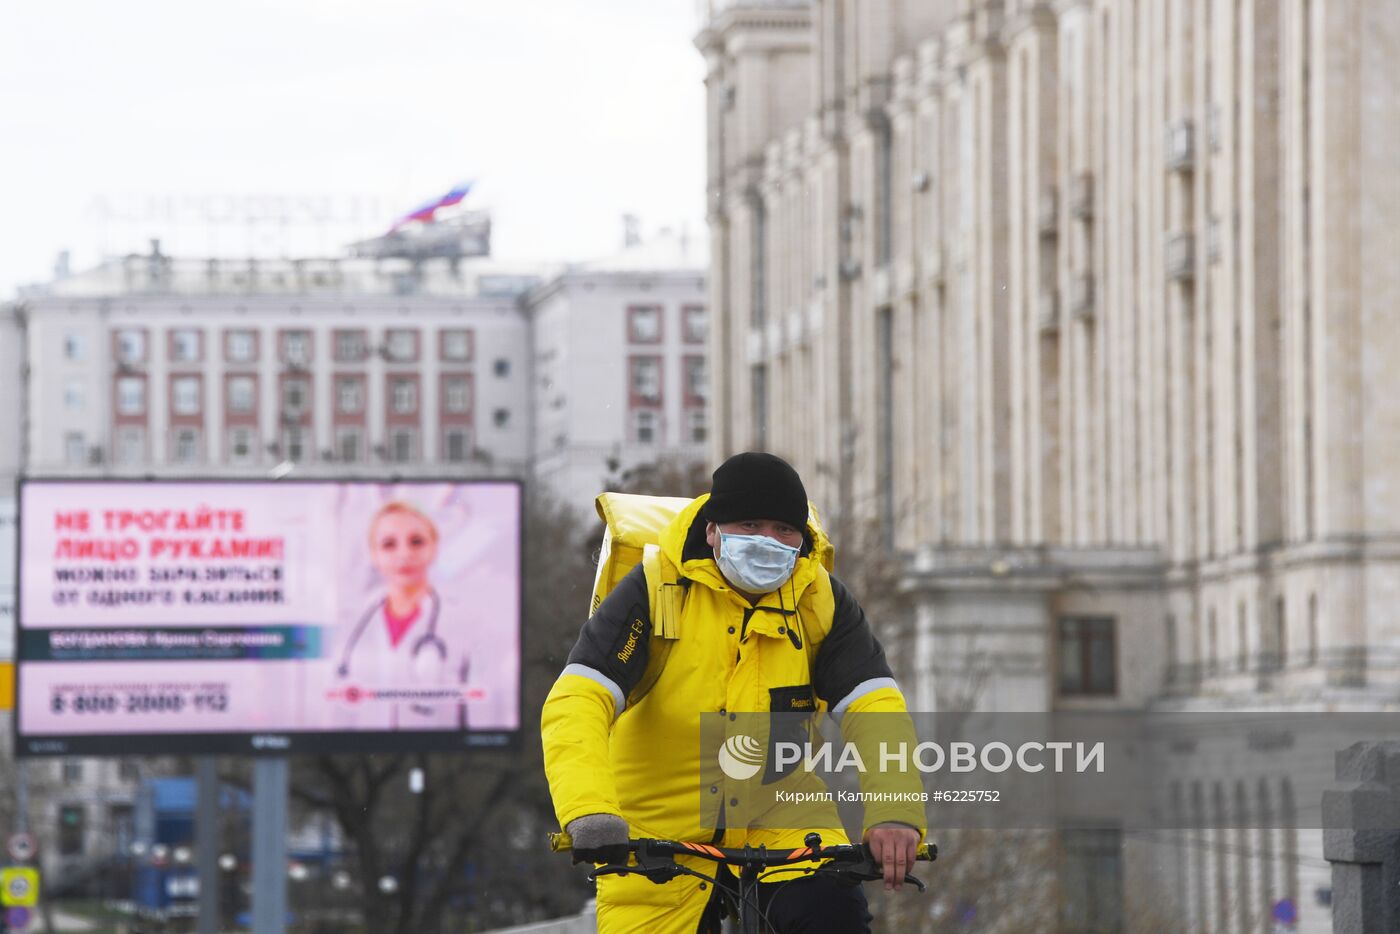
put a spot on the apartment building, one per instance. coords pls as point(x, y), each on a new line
point(620, 365)
point(1088, 306)
point(151, 364)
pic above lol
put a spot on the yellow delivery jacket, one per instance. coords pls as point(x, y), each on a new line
point(804, 648)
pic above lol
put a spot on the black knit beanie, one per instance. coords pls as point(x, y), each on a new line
point(754, 485)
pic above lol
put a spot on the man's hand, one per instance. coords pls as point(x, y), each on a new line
point(599, 838)
point(894, 847)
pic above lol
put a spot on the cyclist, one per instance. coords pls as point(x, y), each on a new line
point(755, 594)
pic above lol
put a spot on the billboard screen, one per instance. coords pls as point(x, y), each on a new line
point(267, 617)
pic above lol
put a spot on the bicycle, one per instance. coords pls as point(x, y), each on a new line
point(656, 861)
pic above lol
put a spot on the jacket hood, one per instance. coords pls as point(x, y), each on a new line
point(675, 535)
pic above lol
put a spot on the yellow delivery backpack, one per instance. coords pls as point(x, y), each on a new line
point(632, 527)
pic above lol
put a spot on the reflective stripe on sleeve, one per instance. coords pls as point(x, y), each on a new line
point(859, 691)
point(593, 674)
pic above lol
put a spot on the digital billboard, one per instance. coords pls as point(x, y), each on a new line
point(267, 617)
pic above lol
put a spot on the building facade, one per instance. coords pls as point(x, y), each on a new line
point(620, 366)
point(1089, 306)
point(155, 365)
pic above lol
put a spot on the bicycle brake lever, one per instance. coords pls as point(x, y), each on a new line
point(867, 871)
point(658, 867)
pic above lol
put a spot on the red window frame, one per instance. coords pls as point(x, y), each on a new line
point(185, 419)
point(417, 345)
point(145, 346)
point(636, 400)
point(338, 357)
point(232, 417)
point(632, 311)
point(170, 346)
point(442, 345)
point(403, 419)
point(282, 334)
point(686, 335)
point(257, 346)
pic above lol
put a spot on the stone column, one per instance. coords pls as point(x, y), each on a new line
point(1361, 838)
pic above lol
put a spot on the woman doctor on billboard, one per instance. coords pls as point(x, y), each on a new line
point(397, 643)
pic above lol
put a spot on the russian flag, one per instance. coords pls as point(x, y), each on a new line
point(428, 210)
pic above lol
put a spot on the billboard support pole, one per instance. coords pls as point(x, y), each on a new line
point(21, 796)
point(207, 834)
point(270, 786)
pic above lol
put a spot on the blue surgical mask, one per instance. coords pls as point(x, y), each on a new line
point(755, 563)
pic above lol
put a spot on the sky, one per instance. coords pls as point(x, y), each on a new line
point(292, 127)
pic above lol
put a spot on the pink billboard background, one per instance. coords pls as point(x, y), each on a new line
point(133, 557)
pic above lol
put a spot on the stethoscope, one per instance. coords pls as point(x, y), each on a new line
point(428, 642)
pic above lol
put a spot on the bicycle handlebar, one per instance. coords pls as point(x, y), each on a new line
point(760, 856)
point(656, 859)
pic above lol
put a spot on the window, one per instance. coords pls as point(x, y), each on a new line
point(644, 426)
point(127, 771)
point(501, 417)
point(131, 445)
point(1242, 649)
point(184, 345)
point(294, 444)
point(758, 376)
point(122, 819)
point(349, 395)
point(1312, 629)
point(1173, 666)
point(403, 395)
point(72, 770)
point(1278, 658)
point(350, 346)
point(240, 446)
point(242, 392)
point(401, 345)
point(1212, 644)
point(74, 449)
point(695, 324)
point(240, 346)
point(348, 445)
point(403, 443)
point(74, 395)
point(74, 347)
point(696, 379)
point(456, 394)
point(184, 395)
point(296, 347)
point(1091, 887)
point(1088, 660)
point(884, 421)
point(696, 425)
point(644, 324)
point(131, 345)
point(71, 821)
point(456, 445)
point(456, 345)
point(646, 379)
point(294, 396)
point(184, 448)
point(502, 367)
point(131, 396)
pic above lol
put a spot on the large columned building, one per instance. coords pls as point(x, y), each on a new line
point(1090, 307)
